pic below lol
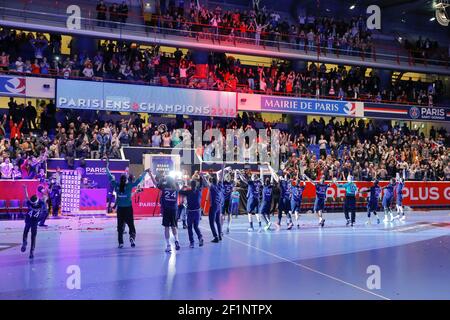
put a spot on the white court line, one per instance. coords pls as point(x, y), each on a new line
point(307, 268)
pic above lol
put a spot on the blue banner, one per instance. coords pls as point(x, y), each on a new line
point(407, 112)
point(92, 95)
point(93, 170)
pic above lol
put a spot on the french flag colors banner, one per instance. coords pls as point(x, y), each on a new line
point(33, 87)
point(265, 103)
point(419, 113)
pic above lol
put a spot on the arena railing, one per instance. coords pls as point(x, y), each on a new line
point(218, 36)
point(240, 88)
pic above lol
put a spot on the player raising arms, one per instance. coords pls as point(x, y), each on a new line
point(193, 204)
point(284, 205)
point(387, 199)
point(372, 202)
point(216, 192)
point(321, 193)
point(253, 193)
point(399, 196)
point(228, 186)
point(169, 206)
point(267, 194)
point(296, 199)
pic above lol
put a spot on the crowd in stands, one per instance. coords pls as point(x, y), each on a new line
point(426, 49)
point(263, 27)
point(334, 149)
point(29, 54)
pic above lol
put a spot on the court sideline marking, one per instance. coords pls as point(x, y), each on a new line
point(304, 267)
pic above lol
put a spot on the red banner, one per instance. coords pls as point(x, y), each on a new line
point(146, 203)
point(13, 189)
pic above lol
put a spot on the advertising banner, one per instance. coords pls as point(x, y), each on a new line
point(415, 194)
point(406, 112)
point(12, 86)
point(13, 189)
point(121, 97)
point(93, 170)
point(33, 87)
point(264, 103)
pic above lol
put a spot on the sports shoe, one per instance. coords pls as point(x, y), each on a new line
point(403, 218)
point(120, 245)
point(215, 240)
point(322, 223)
point(386, 219)
point(348, 222)
point(43, 225)
point(228, 230)
point(298, 226)
point(191, 245)
point(378, 221)
point(250, 229)
point(133, 243)
point(352, 224)
point(31, 255)
point(177, 245)
point(168, 248)
point(200, 243)
point(368, 223)
point(267, 227)
point(24, 246)
point(290, 225)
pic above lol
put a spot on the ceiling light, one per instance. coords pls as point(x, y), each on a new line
point(352, 7)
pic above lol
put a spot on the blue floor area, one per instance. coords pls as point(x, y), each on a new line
point(306, 263)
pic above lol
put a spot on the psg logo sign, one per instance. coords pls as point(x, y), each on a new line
point(414, 112)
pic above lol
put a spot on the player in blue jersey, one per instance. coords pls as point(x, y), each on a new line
point(321, 194)
point(284, 202)
point(387, 200)
point(35, 210)
point(169, 205)
point(228, 186)
point(254, 186)
point(400, 184)
point(372, 201)
point(296, 199)
point(193, 195)
point(264, 209)
point(216, 192)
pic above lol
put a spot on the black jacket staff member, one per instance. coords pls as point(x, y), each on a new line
point(124, 207)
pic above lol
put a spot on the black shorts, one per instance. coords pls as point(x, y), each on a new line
point(169, 218)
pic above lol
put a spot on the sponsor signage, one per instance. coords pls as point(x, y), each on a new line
point(91, 95)
point(19, 86)
point(94, 170)
point(413, 113)
point(265, 103)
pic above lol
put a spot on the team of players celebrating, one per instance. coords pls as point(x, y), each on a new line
point(282, 191)
point(182, 199)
